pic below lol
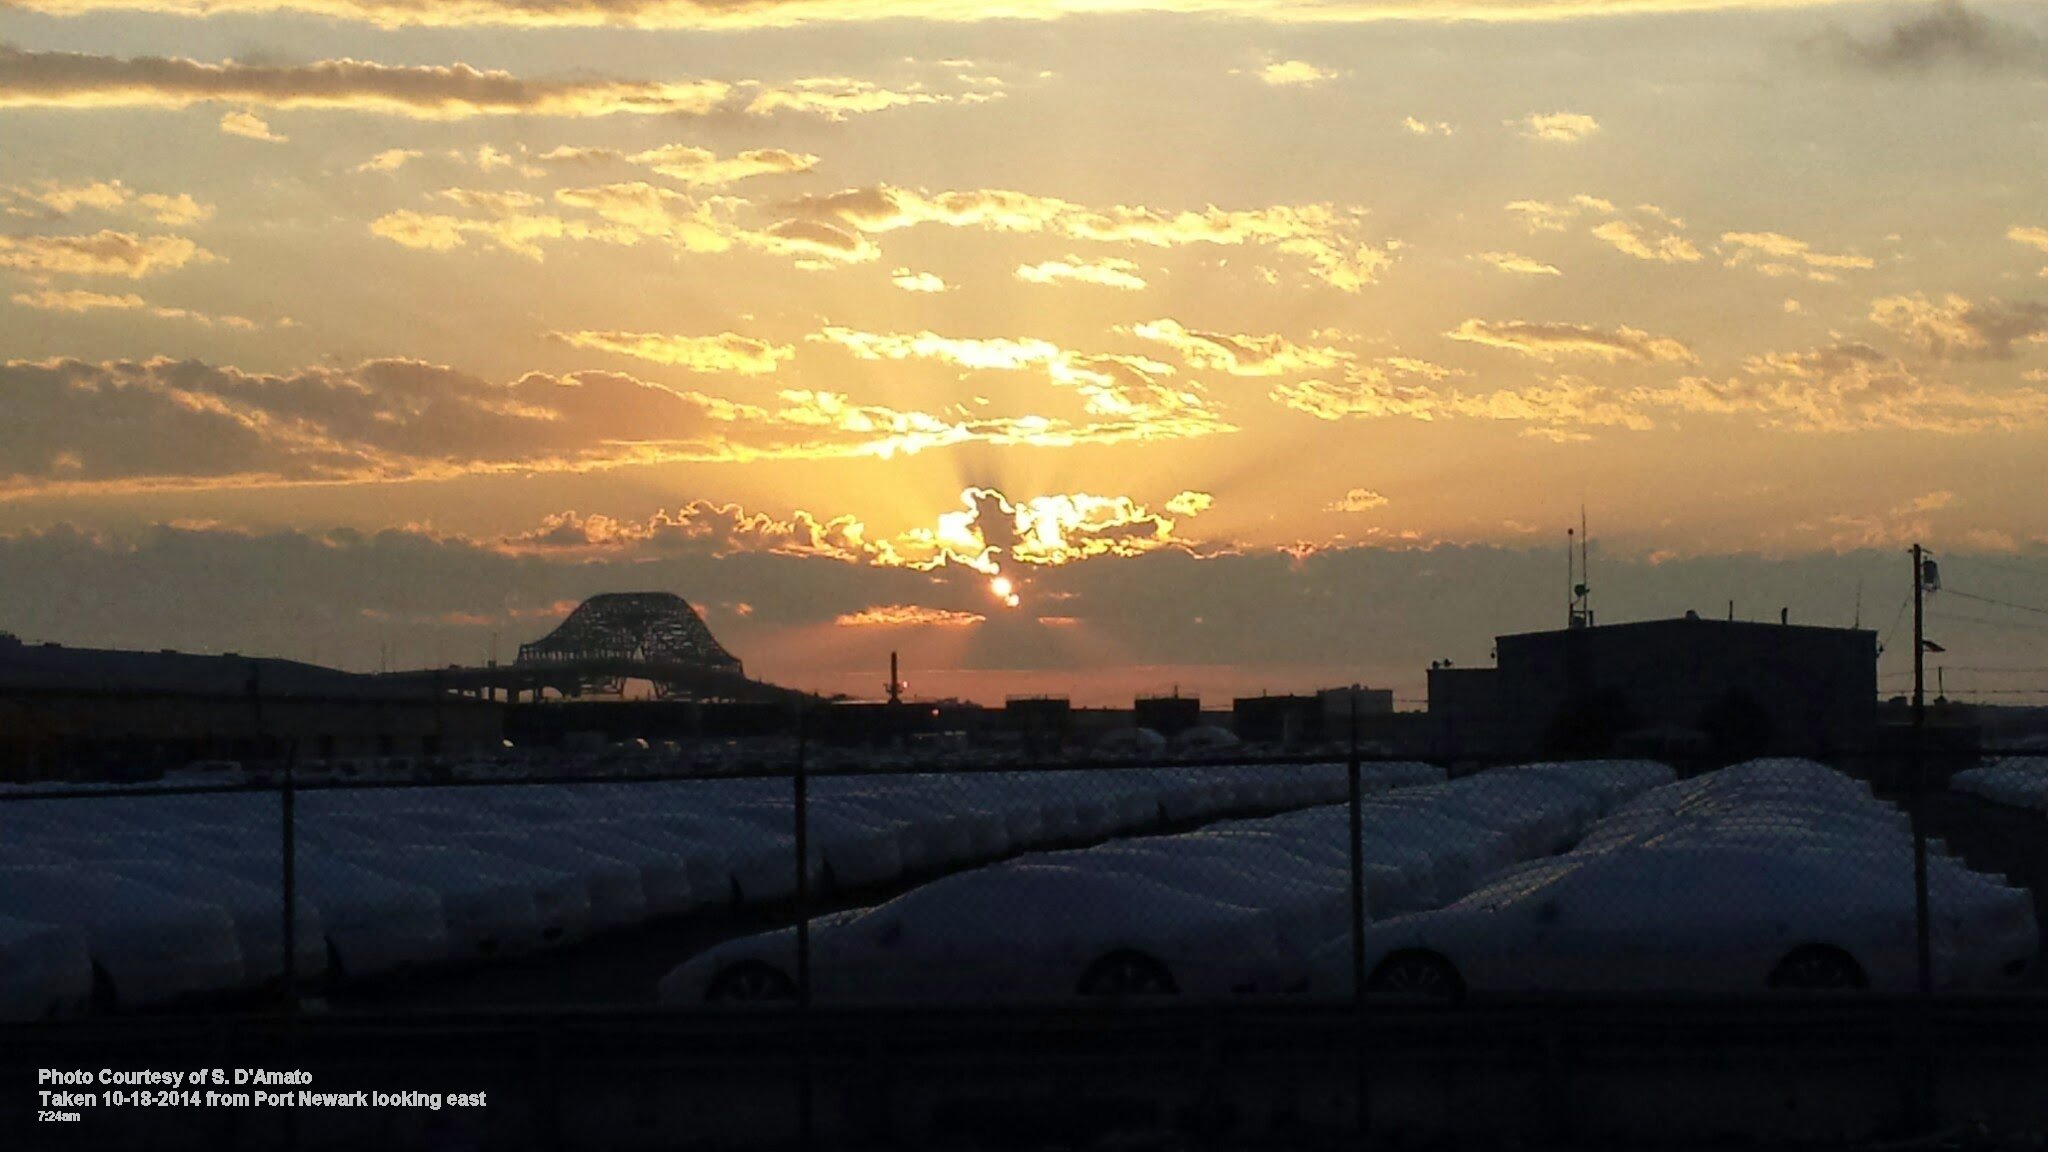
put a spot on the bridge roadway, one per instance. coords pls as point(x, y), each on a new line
point(576, 677)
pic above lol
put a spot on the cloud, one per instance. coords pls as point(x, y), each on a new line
point(389, 160)
point(2030, 236)
point(1645, 232)
point(813, 244)
point(702, 527)
point(627, 214)
point(1548, 341)
point(1556, 127)
point(1426, 128)
point(250, 126)
point(341, 596)
point(129, 426)
point(1361, 394)
point(1560, 408)
point(1520, 265)
point(1899, 525)
point(837, 228)
point(1357, 500)
point(1629, 238)
point(700, 167)
point(1240, 355)
point(1108, 272)
point(113, 197)
point(726, 352)
point(1775, 254)
point(437, 92)
point(991, 529)
point(1322, 235)
point(1294, 74)
point(911, 281)
point(1959, 329)
point(104, 253)
point(908, 616)
point(838, 97)
point(1852, 387)
point(79, 300)
point(1947, 35)
point(1839, 389)
point(1544, 216)
point(984, 532)
point(697, 167)
point(1129, 389)
point(727, 14)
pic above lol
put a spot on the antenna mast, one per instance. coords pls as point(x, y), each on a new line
point(1580, 612)
point(1571, 581)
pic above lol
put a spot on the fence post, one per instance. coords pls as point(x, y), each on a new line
point(1355, 787)
point(800, 803)
point(288, 851)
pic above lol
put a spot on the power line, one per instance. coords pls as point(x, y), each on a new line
point(2000, 565)
point(1999, 603)
point(1885, 641)
point(2014, 625)
point(1984, 668)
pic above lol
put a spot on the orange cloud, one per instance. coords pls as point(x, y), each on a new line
point(1548, 341)
point(726, 352)
point(104, 253)
point(908, 616)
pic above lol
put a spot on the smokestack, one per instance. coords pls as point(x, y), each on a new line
point(895, 685)
point(1784, 615)
point(1731, 610)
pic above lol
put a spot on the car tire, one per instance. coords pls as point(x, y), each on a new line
point(1417, 976)
point(1818, 968)
point(750, 982)
point(1126, 973)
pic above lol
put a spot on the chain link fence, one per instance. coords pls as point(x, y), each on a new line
point(755, 896)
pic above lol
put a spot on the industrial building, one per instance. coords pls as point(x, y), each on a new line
point(1301, 721)
point(95, 713)
point(1719, 689)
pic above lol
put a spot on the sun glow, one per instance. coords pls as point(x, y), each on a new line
point(1003, 589)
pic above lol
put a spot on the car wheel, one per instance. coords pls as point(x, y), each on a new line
point(1818, 968)
point(750, 982)
point(1127, 973)
point(1424, 977)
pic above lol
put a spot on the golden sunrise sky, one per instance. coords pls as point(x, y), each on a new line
point(1091, 346)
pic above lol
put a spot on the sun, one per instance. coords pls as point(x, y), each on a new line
point(1002, 589)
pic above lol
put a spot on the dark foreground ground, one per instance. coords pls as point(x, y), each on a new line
point(1841, 1073)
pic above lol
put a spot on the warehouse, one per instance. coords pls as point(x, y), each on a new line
point(1725, 689)
point(97, 713)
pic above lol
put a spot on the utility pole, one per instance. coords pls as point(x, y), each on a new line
point(1923, 1096)
point(1916, 770)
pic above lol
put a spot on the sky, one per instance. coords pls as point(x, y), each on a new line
point(1096, 347)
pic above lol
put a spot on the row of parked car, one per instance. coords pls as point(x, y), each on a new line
point(140, 900)
point(1590, 877)
point(2017, 781)
point(1767, 875)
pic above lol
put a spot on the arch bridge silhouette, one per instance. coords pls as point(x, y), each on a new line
point(608, 640)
